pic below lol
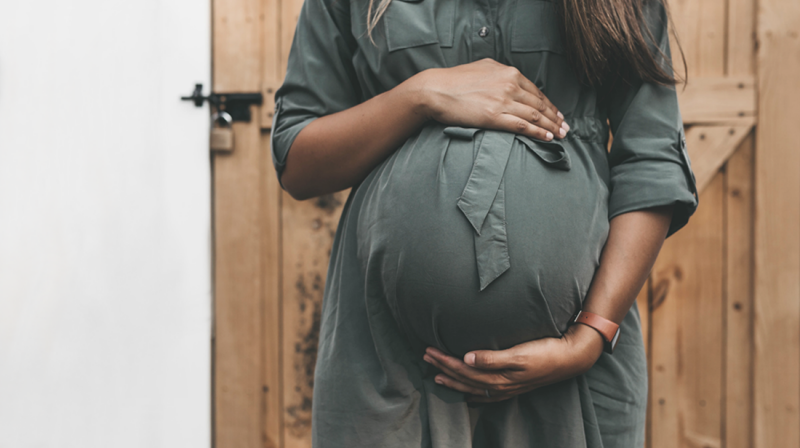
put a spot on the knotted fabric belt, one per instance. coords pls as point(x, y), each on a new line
point(483, 198)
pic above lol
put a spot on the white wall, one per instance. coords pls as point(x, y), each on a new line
point(105, 290)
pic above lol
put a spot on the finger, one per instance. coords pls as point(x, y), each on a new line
point(456, 375)
point(517, 125)
point(536, 117)
point(540, 103)
point(479, 378)
point(529, 86)
point(551, 110)
point(447, 381)
point(494, 360)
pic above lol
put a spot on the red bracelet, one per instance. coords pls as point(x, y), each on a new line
point(608, 329)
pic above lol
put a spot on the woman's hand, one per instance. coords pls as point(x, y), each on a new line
point(491, 95)
point(520, 369)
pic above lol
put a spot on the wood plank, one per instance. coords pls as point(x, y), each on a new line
point(271, 321)
point(272, 59)
point(237, 45)
point(741, 38)
point(740, 61)
point(272, 339)
point(738, 297)
point(688, 276)
point(777, 228)
point(686, 328)
point(238, 355)
point(717, 99)
point(308, 230)
point(709, 147)
point(237, 292)
point(701, 33)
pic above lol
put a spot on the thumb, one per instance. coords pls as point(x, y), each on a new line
point(490, 359)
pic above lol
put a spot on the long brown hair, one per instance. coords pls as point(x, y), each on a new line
point(603, 38)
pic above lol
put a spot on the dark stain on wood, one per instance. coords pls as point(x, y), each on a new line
point(659, 294)
point(330, 203)
point(309, 301)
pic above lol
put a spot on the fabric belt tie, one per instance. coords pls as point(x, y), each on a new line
point(483, 199)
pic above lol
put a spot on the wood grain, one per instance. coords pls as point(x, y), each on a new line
point(272, 59)
point(308, 231)
point(272, 238)
point(686, 349)
point(686, 328)
point(718, 99)
point(247, 243)
point(709, 147)
point(238, 356)
point(738, 297)
point(741, 38)
point(701, 31)
point(777, 227)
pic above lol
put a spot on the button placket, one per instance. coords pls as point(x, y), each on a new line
point(483, 45)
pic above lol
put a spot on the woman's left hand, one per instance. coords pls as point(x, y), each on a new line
point(519, 369)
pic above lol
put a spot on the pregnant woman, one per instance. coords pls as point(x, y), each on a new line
point(482, 282)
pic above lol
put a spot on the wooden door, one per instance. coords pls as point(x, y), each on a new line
point(721, 309)
point(271, 252)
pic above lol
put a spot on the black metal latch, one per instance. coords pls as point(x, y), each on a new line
point(236, 104)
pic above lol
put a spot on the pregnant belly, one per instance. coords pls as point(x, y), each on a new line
point(482, 239)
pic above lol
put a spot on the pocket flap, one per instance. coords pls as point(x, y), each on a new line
point(410, 24)
point(552, 152)
point(536, 27)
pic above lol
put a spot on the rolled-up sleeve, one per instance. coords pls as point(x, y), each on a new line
point(320, 78)
point(649, 165)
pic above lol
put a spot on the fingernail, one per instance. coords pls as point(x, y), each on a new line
point(427, 359)
point(438, 380)
point(549, 135)
point(562, 132)
point(560, 115)
point(469, 359)
point(565, 125)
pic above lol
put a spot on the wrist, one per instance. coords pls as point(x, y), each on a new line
point(418, 90)
point(587, 344)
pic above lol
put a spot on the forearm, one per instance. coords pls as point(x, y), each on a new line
point(336, 151)
point(633, 244)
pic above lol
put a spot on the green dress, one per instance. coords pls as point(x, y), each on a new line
point(467, 238)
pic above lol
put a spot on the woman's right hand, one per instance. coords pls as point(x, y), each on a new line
point(491, 95)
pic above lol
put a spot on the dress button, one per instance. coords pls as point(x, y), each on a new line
point(483, 32)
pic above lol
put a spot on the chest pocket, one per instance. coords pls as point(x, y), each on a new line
point(412, 23)
point(536, 28)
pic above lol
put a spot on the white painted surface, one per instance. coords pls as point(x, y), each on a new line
point(105, 290)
